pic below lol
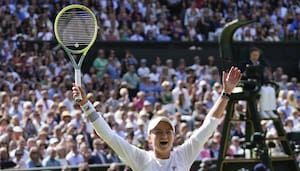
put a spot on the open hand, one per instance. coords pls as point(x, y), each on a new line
point(231, 79)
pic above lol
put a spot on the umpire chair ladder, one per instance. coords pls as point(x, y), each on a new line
point(253, 125)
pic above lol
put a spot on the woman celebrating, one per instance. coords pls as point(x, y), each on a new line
point(161, 134)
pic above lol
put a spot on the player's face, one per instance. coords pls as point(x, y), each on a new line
point(162, 138)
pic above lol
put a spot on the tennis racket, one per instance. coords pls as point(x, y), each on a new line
point(75, 29)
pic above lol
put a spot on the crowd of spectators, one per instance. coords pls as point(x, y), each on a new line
point(40, 125)
point(157, 20)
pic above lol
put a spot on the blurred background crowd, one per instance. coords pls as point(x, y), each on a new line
point(40, 126)
point(157, 20)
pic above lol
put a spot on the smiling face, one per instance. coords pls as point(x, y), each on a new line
point(162, 138)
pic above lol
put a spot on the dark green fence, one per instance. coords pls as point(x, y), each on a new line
point(284, 54)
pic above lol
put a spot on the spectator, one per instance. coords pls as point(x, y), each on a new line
point(132, 80)
point(113, 67)
point(143, 70)
point(61, 155)
point(100, 63)
point(50, 160)
point(74, 158)
point(34, 158)
point(192, 14)
point(19, 160)
point(180, 89)
point(99, 155)
point(5, 161)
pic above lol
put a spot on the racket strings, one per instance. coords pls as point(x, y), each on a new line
point(76, 28)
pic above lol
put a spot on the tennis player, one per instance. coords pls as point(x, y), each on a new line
point(161, 134)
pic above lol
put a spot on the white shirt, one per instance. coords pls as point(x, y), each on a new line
point(187, 99)
point(74, 159)
point(153, 28)
point(181, 158)
point(136, 37)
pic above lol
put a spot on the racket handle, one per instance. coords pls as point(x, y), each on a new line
point(78, 83)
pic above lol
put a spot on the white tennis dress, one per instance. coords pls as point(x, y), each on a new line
point(181, 158)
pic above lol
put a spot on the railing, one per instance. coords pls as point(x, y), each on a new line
point(92, 167)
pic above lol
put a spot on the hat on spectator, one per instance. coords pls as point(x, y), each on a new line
point(79, 137)
point(123, 91)
point(53, 141)
point(61, 104)
point(43, 133)
point(96, 103)
point(17, 129)
point(143, 113)
point(165, 84)
point(90, 95)
point(147, 103)
point(65, 114)
point(155, 121)
point(27, 104)
point(140, 94)
point(129, 125)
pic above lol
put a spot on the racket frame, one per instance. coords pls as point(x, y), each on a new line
point(70, 52)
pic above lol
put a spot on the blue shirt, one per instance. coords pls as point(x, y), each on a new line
point(50, 162)
point(113, 71)
point(32, 164)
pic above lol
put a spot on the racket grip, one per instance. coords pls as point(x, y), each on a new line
point(78, 83)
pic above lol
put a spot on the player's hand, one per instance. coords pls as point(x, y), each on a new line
point(231, 79)
point(78, 91)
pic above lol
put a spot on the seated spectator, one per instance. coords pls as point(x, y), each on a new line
point(19, 160)
point(5, 161)
point(99, 154)
point(50, 160)
point(74, 157)
point(34, 158)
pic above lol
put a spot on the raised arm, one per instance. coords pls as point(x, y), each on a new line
point(230, 80)
point(191, 148)
point(128, 153)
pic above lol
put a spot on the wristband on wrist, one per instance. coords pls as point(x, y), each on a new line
point(87, 106)
point(225, 95)
point(90, 111)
